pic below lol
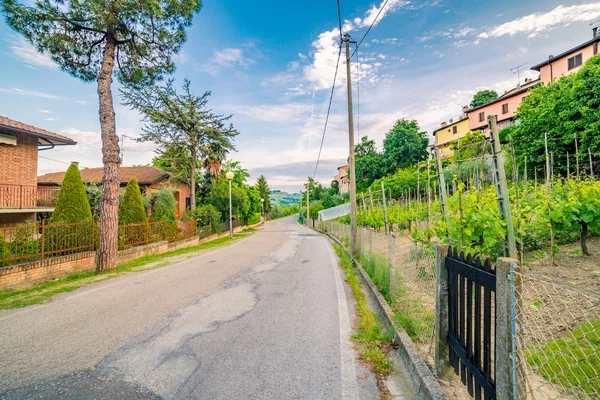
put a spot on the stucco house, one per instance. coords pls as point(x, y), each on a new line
point(149, 179)
point(342, 179)
point(449, 132)
point(20, 196)
point(569, 61)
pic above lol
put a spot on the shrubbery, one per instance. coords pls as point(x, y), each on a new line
point(72, 205)
point(131, 209)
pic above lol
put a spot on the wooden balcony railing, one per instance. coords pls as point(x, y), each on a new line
point(21, 196)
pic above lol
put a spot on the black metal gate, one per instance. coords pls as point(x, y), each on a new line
point(470, 322)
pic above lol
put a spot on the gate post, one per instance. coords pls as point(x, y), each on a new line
point(509, 385)
point(441, 349)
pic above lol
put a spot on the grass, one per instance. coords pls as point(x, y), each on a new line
point(16, 298)
point(572, 361)
point(371, 339)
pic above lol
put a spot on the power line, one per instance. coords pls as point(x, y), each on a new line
point(339, 18)
point(52, 159)
point(337, 65)
point(371, 26)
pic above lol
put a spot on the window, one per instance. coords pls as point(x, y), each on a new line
point(505, 108)
point(188, 203)
point(454, 130)
point(481, 116)
point(575, 61)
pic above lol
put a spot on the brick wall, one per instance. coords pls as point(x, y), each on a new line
point(18, 164)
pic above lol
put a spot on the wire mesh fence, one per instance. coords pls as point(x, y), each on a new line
point(557, 339)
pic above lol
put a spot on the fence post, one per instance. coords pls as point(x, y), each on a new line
point(591, 164)
point(441, 350)
point(392, 274)
point(43, 241)
point(443, 193)
point(383, 200)
point(507, 360)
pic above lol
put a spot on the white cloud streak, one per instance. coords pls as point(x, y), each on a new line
point(29, 55)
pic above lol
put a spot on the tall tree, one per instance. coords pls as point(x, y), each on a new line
point(370, 164)
point(181, 121)
point(86, 39)
point(264, 191)
point(404, 145)
point(482, 97)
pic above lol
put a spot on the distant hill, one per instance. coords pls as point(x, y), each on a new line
point(284, 198)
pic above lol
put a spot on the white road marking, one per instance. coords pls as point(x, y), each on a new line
point(349, 378)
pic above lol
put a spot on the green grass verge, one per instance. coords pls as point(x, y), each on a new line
point(372, 341)
point(16, 298)
point(572, 361)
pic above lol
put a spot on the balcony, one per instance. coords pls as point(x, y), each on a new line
point(21, 198)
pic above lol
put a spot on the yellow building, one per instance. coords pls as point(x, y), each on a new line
point(448, 133)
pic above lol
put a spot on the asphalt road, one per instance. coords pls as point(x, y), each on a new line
point(268, 317)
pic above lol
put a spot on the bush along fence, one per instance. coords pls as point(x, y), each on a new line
point(536, 333)
point(32, 242)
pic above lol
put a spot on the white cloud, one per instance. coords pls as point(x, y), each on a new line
point(34, 93)
point(29, 55)
point(45, 111)
point(370, 16)
point(53, 119)
point(278, 113)
point(536, 23)
point(227, 58)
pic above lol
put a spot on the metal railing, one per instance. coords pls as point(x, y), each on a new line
point(23, 196)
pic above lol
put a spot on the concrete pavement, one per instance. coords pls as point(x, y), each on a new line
point(268, 317)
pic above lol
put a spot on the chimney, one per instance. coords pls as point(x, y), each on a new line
point(550, 56)
point(444, 124)
point(594, 32)
point(75, 162)
point(465, 108)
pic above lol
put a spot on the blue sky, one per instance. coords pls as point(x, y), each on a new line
point(271, 64)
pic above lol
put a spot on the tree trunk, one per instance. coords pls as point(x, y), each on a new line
point(584, 235)
point(106, 257)
point(193, 180)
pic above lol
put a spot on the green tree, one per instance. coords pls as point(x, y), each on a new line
point(482, 97)
point(218, 196)
point(182, 123)
point(72, 205)
point(264, 191)
point(163, 206)
point(404, 145)
point(131, 209)
point(370, 164)
point(86, 39)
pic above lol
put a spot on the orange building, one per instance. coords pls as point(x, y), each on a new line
point(569, 61)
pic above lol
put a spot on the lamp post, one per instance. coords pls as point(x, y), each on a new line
point(229, 175)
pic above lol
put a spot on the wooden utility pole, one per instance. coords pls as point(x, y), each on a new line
point(307, 202)
point(442, 191)
point(351, 172)
point(548, 193)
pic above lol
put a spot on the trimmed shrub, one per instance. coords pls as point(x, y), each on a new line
point(163, 206)
point(131, 209)
point(72, 205)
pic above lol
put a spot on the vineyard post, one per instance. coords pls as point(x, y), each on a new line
point(385, 216)
point(392, 274)
point(535, 182)
point(443, 194)
point(418, 196)
point(551, 167)
point(576, 156)
point(548, 190)
point(363, 203)
point(460, 209)
point(510, 247)
point(568, 167)
point(428, 192)
point(525, 178)
point(371, 198)
point(517, 204)
point(591, 164)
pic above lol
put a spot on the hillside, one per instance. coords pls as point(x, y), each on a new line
point(284, 198)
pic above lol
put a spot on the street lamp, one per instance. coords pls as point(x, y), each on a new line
point(262, 201)
point(229, 175)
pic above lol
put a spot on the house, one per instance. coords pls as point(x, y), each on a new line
point(504, 107)
point(149, 179)
point(449, 132)
point(20, 196)
point(342, 179)
point(569, 61)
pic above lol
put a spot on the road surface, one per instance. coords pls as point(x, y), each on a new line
point(268, 317)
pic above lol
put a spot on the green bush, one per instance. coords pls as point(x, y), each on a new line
point(131, 209)
point(208, 215)
point(163, 206)
point(253, 219)
point(72, 205)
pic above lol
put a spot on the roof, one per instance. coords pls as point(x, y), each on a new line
point(45, 137)
point(510, 93)
point(449, 125)
point(343, 166)
point(566, 53)
point(144, 175)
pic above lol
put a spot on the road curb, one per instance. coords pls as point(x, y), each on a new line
point(424, 383)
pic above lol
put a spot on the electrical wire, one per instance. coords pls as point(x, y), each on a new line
point(339, 18)
point(371, 26)
point(52, 159)
point(328, 108)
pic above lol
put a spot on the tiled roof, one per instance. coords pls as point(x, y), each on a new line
point(55, 138)
point(510, 93)
point(144, 175)
point(537, 67)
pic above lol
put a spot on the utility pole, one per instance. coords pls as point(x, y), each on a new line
point(351, 172)
point(307, 202)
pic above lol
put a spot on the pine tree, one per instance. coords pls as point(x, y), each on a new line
point(72, 205)
point(131, 209)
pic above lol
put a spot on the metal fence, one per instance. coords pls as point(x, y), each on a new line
point(557, 337)
point(30, 242)
point(19, 196)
